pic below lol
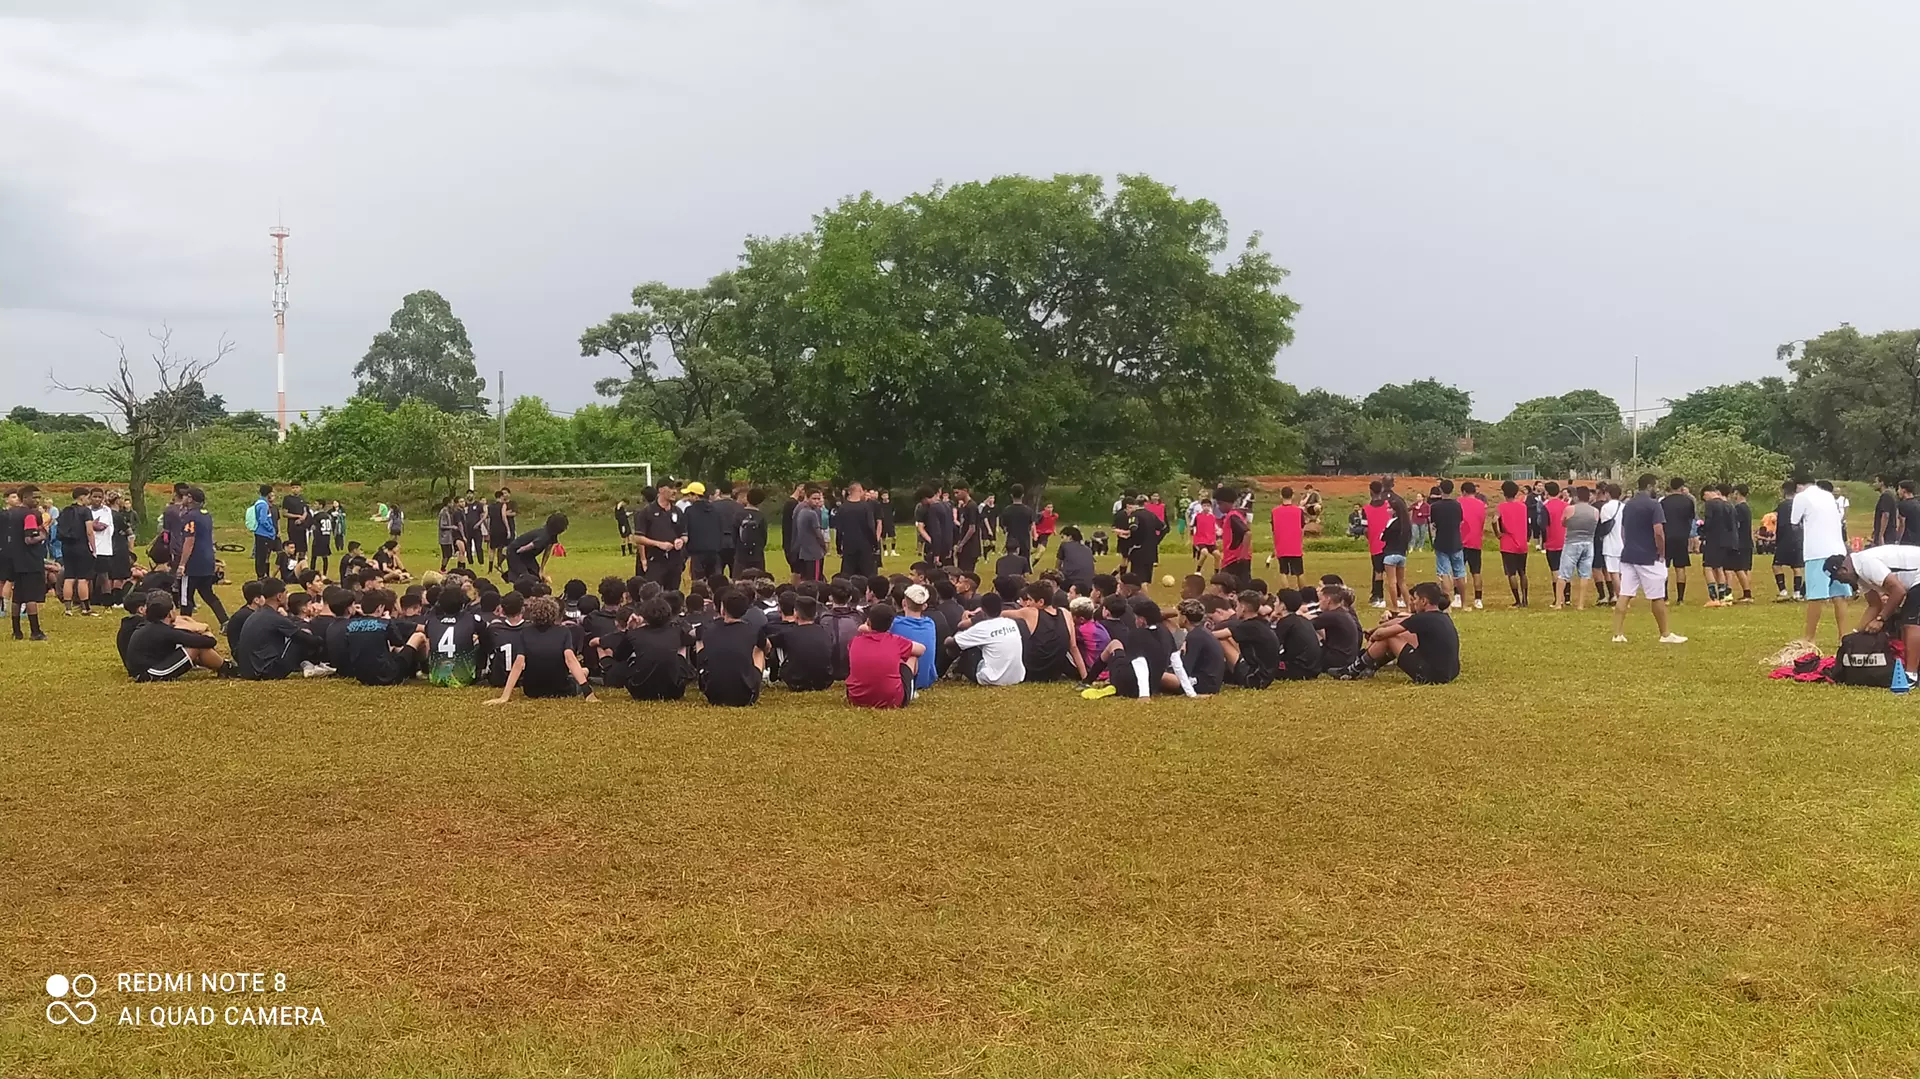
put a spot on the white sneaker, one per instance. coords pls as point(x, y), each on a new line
point(1619, 638)
point(1378, 603)
point(1479, 606)
point(1673, 638)
point(1456, 603)
point(315, 670)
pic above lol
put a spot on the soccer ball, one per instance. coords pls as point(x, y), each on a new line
point(1167, 580)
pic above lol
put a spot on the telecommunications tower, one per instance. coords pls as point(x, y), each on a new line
point(279, 234)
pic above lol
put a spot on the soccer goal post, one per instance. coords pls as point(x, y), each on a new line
point(473, 471)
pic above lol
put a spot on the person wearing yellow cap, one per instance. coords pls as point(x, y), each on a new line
point(703, 530)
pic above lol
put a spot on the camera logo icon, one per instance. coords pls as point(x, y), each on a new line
point(79, 1011)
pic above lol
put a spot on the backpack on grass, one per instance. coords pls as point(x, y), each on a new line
point(1865, 659)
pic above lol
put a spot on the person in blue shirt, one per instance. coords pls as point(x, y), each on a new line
point(266, 537)
point(197, 559)
point(914, 625)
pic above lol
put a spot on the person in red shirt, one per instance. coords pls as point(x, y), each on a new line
point(1289, 539)
point(1043, 528)
point(1555, 539)
point(881, 663)
point(1158, 507)
point(1510, 521)
point(1473, 533)
point(1206, 536)
point(1377, 513)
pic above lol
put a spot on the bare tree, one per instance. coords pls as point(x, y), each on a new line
point(148, 423)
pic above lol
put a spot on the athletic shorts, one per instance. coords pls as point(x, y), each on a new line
point(322, 546)
point(1740, 560)
point(1291, 565)
point(1473, 558)
point(76, 565)
point(1610, 563)
point(1450, 563)
point(1206, 548)
point(1379, 563)
point(1678, 557)
point(1553, 561)
point(176, 664)
point(30, 587)
point(1786, 560)
point(1908, 613)
point(1513, 562)
point(1648, 581)
point(1820, 586)
point(1417, 670)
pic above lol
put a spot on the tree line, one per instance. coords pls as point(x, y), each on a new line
point(1014, 330)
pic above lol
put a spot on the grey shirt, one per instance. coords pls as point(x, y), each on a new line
point(810, 536)
point(1581, 520)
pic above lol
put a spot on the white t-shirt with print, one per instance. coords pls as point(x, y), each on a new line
point(1002, 660)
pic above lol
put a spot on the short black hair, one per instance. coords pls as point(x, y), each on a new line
point(271, 587)
point(990, 605)
point(735, 604)
point(880, 617)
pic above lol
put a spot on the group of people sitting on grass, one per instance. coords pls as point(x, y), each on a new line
point(882, 638)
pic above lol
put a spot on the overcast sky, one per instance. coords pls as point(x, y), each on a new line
point(1515, 196)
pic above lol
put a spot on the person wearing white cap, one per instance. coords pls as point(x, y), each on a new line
point(913, 624)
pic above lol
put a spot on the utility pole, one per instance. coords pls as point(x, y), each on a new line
point(279, 234)
point(1636, 408)
point(500, 405)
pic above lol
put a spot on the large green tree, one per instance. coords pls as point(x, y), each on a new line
point(1702, 455)
point(422, 355)
point(53, 423)
point(1333, 432)
point(686, 370)
point(1860, 397)
point(1020, 327)
point(1764, 409)
point(1578, 431)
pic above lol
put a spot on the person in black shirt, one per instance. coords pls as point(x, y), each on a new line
point(548, 665)
point(1444, 517)
point(883, 512)
point(342, 604)
point(1786, 548)
point(1016, 522)
point(1907, 529)
point(1202, 655)
point(294, 506)
point(661, 533)
point(1300, 658)
point(701, 524)
point(250, 602)
point(966, 525)
point(805, 648)
point(1719, 540)
point(1011, 565)
point(730, 509)
point(1251, 645)
point(1338, 627)
point(1143, 534)
point(527, 554)
point(857, 526)
point(750, 552)
point(380, 650)
point(623, 525)
point(499, 531)
point(453, 638)
point(75, 529)
point(935, 527)
point(651, 656)
point(275, 645)
point(1740, 565)
point(161, 651)
point(1678, 508)
point(732, 656)
point(1886, 512)
point(1424, 642)
point(502, 639)
point(1393, 546)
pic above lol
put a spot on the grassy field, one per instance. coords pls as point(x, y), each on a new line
point(1582, 858)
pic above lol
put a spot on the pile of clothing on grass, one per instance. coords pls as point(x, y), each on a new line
point(1864, 659)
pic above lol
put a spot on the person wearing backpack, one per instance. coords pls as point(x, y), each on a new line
point(266, 536)
point(842, 621)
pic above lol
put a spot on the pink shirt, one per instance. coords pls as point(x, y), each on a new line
point(1473, 522)
point(1289, 524)
point(873, 669)
point(1377, 518)
point(1513, 526)
point(1556, 525)
point(1206, 529)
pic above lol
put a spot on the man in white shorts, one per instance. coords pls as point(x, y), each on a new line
point(1641, 534)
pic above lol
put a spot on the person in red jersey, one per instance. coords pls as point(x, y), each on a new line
point(1289, 539)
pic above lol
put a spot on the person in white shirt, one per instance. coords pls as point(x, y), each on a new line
point(1606, 563)
point(993, 654)
point(1822, 535)
point(1888, 574)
